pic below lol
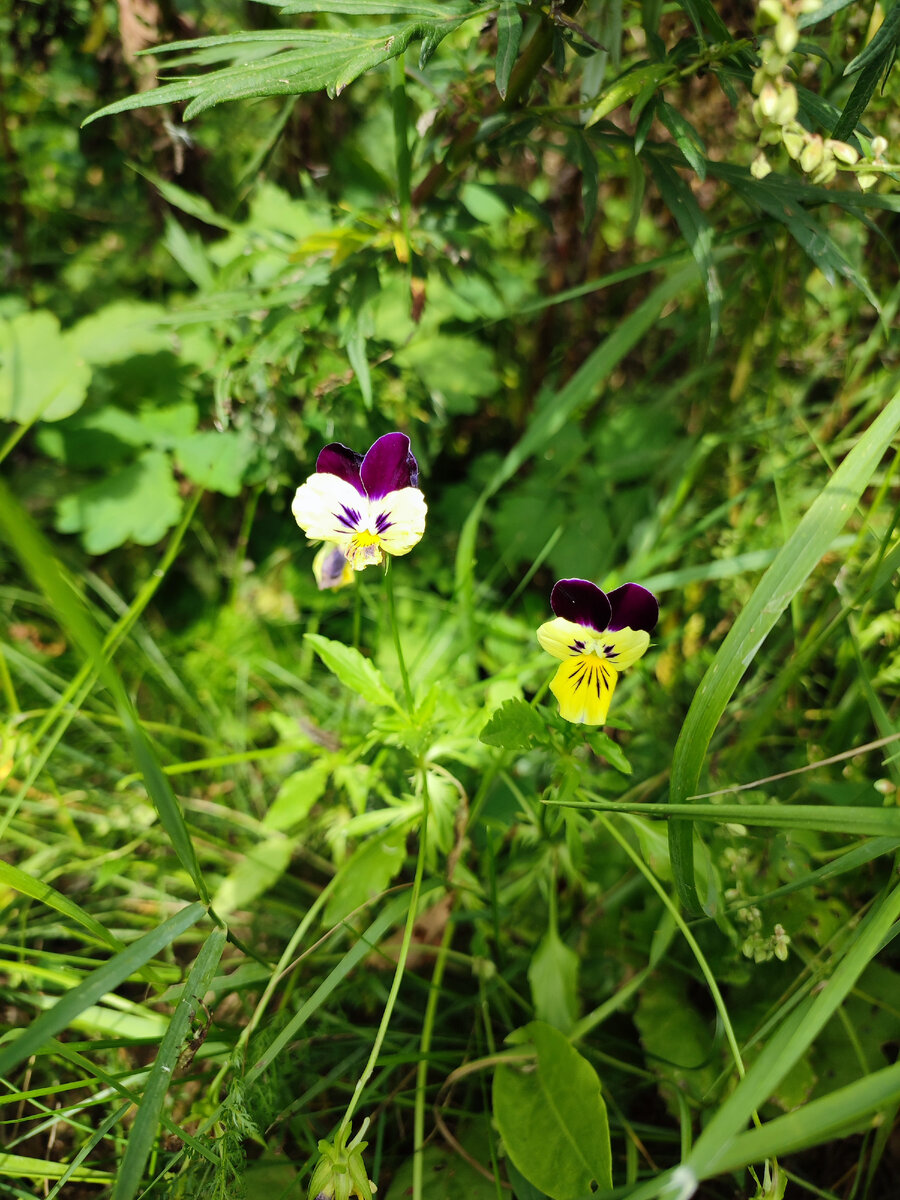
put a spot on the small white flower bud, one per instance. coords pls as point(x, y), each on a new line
point(794, 142)
point(842, 152)
point(786, 34)
point(768, 101)
point(879, 145)
point(760, 167)
point(786, 108)
point(812, 154)
point(866, 181)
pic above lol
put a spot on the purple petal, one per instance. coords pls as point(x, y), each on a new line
point(389, 466)
point(633, 606)
point(582, 602)
point(337, 459)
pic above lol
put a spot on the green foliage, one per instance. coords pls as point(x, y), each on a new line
point(552, 1118)
point(620, 274)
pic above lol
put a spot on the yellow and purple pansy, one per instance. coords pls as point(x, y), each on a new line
point(597, 636)
point(368, 505)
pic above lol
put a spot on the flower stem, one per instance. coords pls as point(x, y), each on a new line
point(401, 960)
point(392, 615)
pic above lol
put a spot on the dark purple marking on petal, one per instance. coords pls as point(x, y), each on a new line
point(577, 646)
point(389, 466)
point(349, 518)
point(340, 460)
point(582, 602)
point(382, 522)
point(633, 607)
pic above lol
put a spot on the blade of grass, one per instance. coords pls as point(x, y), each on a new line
point(862, 821)
point(51, 578)
point(105, 979)
point(15, 878)
point(146, 1123)
point(772, 595)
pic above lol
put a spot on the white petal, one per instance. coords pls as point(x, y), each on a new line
point(399, 519)
point(328, 508)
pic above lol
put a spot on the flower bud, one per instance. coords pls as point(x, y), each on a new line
point(879, 145)
point(842, 152)
point(824, 172)
point(340, 1172)
point(786, 107)
point(794, 142)
point(866, 181)
point(769, 12)
point(813, 153)
point(760, 167)
point(767, 102)
point(786, 34)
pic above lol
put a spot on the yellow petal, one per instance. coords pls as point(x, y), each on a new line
point(563, 638)
point(623, 647)
point(584, 686)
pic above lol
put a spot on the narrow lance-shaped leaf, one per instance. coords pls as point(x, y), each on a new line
point(98, 983)
point(32, 549)
point(509, 34)
point(146, 1123)
point(782, 581)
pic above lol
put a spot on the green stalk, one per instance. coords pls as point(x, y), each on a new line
point(434, 993)
point(401, 961)
point(392, 616)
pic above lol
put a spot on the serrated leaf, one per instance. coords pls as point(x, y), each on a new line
point(214, 459)
point(514, 726)
point(137, 503)
point(42, 376)
point(509, 34)
point(553, 1119)
point(353, 670)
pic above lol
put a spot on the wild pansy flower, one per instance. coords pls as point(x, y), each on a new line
point(367, 504)
point(597, 636)
point(330, 568)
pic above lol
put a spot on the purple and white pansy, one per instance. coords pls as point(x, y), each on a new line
point(597, 635)
point(368, 504)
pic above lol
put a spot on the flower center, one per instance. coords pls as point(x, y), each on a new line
point(364, 550)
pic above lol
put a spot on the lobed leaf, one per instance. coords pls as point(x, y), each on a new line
point(353, 670)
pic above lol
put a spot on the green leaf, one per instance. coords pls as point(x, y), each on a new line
point(603, 745)
point(15, 878)
point(260, 868)
point(105, 979)
point(119, 331)
point(784, 578)
point(627, 86)
point(822, 1120)
point(858, 100)
point(882, 47)
point(64, 600)
point(298, 794)
point(18, 1166)
point(552, 1119)
point(446, 1176)
point(216, 460)
point(143, 1132)
point(456, 370)
point(136, 503)
point(514, 726)
point(42, 375)
point(553, 979)
point(686, 137)
point(367, 873)
point(509, 34)
point(679, 1045)
point(353, 670)
point(695, 229)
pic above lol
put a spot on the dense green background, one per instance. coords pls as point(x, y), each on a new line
point(543, 243)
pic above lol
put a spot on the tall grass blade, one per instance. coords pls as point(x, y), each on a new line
point(146, 1123)
point(22, 882)
point(98, 983)
point(33, 551)
point(782, 581)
